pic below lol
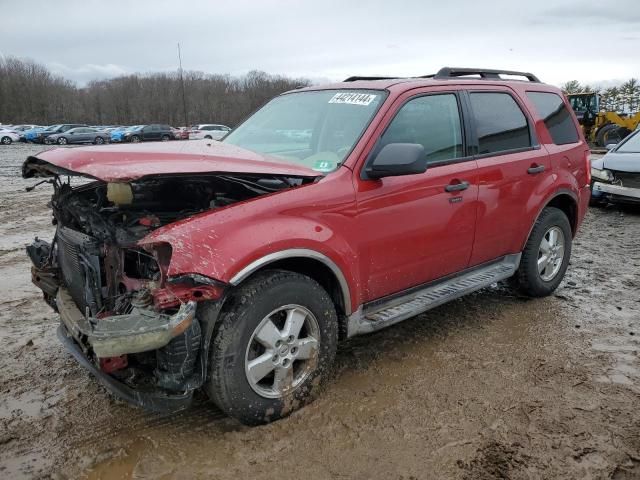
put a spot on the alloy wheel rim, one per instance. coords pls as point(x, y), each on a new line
point(283, 351)
point(6, 140)
point(551, 253)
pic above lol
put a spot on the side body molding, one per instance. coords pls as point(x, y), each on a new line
point(293, 253)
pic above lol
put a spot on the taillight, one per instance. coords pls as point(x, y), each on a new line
point(587, 162)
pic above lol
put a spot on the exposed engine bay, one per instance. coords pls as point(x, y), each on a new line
point(119, 305)
point(105, 220)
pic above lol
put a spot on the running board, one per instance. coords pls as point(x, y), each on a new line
point(380, 315)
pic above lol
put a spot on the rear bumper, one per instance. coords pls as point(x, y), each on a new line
point(156, 400)
point(616, 192)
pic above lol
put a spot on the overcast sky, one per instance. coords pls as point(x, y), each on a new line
point(558, 40)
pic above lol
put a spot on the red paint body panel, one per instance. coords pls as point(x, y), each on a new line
point(121, 163)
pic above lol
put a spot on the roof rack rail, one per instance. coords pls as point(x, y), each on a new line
point(484, 73)
point(356, 78)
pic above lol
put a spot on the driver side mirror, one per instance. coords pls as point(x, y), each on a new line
point(397, 159)
point(610, 146)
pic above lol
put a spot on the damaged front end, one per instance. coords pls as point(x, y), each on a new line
point(616, 186)
point(137, 329)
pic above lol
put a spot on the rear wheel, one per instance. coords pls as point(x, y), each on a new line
point(6, 140)
point(546, 255)
point(208, 137)
point(274, 344)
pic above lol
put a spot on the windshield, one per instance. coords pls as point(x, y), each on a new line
point(631, 145)
point(315, 129)
point(52, 128)
point(583, 103)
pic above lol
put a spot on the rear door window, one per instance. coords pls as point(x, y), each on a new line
point(556, 117)
point(500, 123)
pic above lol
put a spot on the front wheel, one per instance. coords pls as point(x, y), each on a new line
point(6, 140)
point(165, 138)
point(134, 139)
point(274, 344)
point(62, 141)
point(99, 141)
point(546, 255)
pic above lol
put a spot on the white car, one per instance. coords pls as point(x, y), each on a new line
point(210, 131)
point(7, 137)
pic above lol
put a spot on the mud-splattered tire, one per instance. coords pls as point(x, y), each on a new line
point(529, 279)
point(245, 346)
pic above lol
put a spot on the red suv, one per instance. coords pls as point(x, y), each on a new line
point(331, 212)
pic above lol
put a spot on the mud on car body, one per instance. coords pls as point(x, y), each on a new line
point(333, 211)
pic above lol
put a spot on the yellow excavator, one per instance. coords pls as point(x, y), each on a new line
point(601, 128)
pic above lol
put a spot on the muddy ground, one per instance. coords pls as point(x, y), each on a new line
point(490, 386)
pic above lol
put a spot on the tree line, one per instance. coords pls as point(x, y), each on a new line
point(30, 93)
point(624, 98)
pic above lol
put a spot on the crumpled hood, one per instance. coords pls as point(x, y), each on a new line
point(620, 162)
point(123, 163)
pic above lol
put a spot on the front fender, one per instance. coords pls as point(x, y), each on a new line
point(229, 244)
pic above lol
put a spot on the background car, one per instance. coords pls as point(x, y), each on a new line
point(117, 134)
point(145, 133)
point(42, 135)
point(210, 131)
point(23, 128)
point(78, 135)
point(7, 137)
point(31, 134)
point(616, 176)
point(180, 133)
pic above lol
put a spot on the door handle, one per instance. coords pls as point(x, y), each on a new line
point(536, 169)
point(456, 187)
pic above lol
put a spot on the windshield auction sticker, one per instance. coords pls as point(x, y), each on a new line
point(353, 98)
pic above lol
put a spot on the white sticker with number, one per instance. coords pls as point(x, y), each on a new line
point(353, 98)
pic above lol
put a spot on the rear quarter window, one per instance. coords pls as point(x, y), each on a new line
point(500, 123)
point(556, 117)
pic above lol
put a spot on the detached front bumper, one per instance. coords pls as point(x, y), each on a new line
point(616, 193)
point(154, 400)
point(140, 331)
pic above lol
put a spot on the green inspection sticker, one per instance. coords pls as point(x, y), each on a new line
point(324, 166)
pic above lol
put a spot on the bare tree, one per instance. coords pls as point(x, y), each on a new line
point(29, 93)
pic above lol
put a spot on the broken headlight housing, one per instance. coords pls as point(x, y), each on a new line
point(605, 175)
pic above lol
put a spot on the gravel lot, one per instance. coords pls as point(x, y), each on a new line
point(490, 386)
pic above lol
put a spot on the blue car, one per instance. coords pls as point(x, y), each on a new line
point(117, 135)
point(31, 134)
